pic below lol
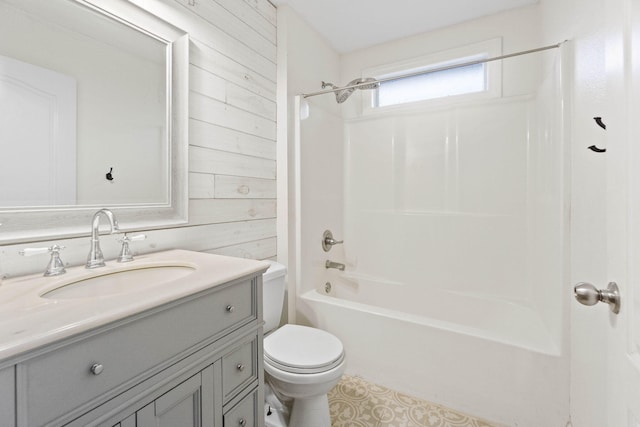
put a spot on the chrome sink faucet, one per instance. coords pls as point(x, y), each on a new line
point(95, 258)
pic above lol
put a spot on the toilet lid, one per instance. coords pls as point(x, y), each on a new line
point(301, 349)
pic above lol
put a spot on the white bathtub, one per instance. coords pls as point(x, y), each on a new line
point(490, 358)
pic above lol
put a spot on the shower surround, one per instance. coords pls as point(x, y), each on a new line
point(455, 227)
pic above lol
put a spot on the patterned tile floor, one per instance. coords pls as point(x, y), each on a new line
point(355, 402)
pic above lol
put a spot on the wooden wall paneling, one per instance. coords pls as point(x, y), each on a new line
point(249, 101)
point(257, 249)
point(210, 236)
point(209, 186)
point(209, 59)
point(264, 8)
point(229, 23)
point(200, 29)
point(241, 187)
point(247, 13)
point(205, 160)
point(215, 112)
point(201, 185)
point(206, 83)
point(207, 135)
point(211, 211)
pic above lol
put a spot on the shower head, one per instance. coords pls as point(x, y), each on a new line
point(343, 94)
point(328, 84)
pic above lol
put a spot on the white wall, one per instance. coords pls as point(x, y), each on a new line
point(232, 137)
point(519, 30)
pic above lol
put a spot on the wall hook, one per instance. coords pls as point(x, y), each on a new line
point(109, 176)
point(600, 123)
point(596, 149)
point(603, 126)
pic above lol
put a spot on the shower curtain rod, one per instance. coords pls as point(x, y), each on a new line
point(435, 70)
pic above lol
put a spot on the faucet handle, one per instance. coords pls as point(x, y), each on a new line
point(125, 252)
point(134, 238)
point(55, 266)
point(33, 251)
point(328, 241)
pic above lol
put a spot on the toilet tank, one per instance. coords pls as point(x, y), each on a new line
point(273, 295)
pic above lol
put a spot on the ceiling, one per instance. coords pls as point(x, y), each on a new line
point(349, 25)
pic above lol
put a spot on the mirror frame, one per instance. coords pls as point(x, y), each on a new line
point(49, 223)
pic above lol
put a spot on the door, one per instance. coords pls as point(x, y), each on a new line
point(605, 360)
point(623, 219)
point(622, 344)
point(37, 122)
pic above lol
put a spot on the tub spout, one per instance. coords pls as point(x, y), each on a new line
point(331, 264)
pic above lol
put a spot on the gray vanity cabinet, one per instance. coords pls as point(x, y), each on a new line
point(192, 362)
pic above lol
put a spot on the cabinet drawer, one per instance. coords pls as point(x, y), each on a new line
point(239, 368)
point(69, 377)
point(245, 413)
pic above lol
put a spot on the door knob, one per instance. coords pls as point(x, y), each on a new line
point(588, 294)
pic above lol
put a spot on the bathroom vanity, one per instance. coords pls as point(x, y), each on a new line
point(185, 351)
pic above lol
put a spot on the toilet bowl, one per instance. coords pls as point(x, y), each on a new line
point(301, 363)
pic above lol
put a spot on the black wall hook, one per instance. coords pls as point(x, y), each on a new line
point(109, 176)
point(596, 149)
point(603, 126)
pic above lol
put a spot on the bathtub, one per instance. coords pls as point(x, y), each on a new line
point(490, 358)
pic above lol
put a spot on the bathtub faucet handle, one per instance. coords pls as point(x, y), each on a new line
point(328, 241)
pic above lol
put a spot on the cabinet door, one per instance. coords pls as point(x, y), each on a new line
point(129, 422)
point(188, 404)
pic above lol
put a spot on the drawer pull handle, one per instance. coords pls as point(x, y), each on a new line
point(240, 367)
point(96, 369)
point(242, 422)
point(230, 309)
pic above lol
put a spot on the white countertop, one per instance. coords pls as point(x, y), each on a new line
point(29, 321)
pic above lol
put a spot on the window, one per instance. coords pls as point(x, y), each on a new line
point(476, 80)
point(439, 84)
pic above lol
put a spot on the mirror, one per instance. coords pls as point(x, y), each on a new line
point(93, 113)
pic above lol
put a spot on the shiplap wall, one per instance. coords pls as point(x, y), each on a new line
point(232, 126)
point(232, 137)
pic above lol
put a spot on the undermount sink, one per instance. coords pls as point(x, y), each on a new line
point(119, 282)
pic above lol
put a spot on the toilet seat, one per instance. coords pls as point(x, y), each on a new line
point(302, 350)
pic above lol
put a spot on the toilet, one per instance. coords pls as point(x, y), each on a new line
point(301, 364)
